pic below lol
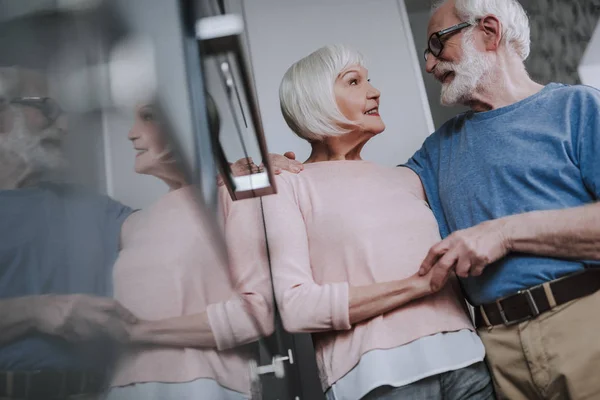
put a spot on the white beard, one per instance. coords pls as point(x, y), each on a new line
point(470, 73)
point(37, 153)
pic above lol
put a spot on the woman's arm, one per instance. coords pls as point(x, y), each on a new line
point(306, 306)
point(185, 331)
point(366, 302)
point(223, 326)
point(248, 314)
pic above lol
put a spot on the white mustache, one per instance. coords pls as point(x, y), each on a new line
point(443, 68)
point(52, 133)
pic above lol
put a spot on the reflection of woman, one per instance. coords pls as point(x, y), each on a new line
point(170, 275)
point(347, 237)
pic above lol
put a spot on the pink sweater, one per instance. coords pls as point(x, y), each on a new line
point(342, 223)
point(170, 266)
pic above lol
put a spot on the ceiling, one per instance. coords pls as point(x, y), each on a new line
point(424, 5)
point(417, 5)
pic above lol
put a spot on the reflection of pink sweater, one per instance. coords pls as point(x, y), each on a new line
point(342, 223)
point(170, 266)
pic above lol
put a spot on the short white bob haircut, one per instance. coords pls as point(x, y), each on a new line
point(515, 23)
point(307, 97)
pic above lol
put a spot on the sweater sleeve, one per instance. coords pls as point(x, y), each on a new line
point(304, 305)
point(248, 315)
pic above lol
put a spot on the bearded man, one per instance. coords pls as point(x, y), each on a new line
point(514, 185)
point(57, 246)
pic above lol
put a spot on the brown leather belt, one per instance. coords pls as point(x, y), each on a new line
point(529, 303)
point(49, 384)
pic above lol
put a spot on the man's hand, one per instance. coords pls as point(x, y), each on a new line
point(81, 317)
point(467, 252)
point(246, 166)
point(429, 283)
point(285, 162)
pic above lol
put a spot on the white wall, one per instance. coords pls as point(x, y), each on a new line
point(160, 21)
point(589, 70)
point(283, 31)
point(418, 22)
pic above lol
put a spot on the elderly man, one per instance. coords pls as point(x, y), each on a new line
point(57, 246)
point(514, 185)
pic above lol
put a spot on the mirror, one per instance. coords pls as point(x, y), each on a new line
point(230, 80)
point(116, 280)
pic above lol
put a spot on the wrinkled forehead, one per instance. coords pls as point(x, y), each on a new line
point(356, 68)
point(19, 82)
point(444, 17)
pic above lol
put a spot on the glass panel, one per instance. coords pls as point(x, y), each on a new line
point(115, 275)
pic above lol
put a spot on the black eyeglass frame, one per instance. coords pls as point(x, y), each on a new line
point(47, 105)
point(444, 32)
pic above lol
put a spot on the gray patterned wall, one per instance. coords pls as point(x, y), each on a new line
point(560, 32)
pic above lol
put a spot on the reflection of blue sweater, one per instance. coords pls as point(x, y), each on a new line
point(56, 239)
point(541, 153)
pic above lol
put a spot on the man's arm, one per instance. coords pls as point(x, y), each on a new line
point(72, 317)
point(572, 233)
point(17, 318)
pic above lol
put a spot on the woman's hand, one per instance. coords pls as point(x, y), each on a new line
point(136, 332)
point(429, 283)
point(81, 317)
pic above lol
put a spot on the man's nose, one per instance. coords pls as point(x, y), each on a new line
point(431, 62)
point(62, 123)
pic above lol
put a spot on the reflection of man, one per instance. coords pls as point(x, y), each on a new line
point(57, 246)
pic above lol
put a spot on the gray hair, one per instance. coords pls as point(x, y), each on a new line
point(515, 23)
point(307, 97)
point(16, 82)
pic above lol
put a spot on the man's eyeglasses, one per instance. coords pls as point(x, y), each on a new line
point(48, 106)
point(435, 45)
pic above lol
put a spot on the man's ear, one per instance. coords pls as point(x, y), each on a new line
point(492, 31)
point(6, 117)
point(10, 78)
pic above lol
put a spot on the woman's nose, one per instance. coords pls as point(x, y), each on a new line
point(374, 93)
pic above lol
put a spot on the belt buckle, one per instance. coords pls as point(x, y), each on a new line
point(530, 302)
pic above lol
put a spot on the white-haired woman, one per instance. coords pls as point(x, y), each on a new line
point(347, 238)
point(173, 277)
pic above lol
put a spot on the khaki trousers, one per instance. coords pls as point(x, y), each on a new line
point(554, 356)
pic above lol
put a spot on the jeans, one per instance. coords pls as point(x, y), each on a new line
point(469, 383)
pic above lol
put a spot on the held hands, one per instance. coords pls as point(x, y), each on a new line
point(81, 317)
point(467, 252)
point(429, 283)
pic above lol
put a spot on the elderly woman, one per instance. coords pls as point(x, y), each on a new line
point(170, 275)
point(347, 237)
